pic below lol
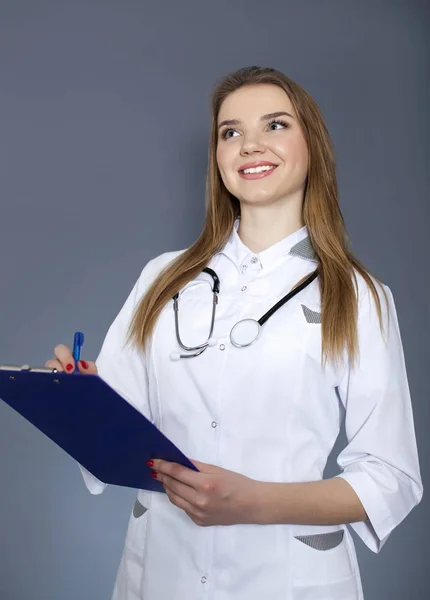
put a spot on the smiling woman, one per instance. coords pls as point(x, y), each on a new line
point(259, 420)
point(274, 140)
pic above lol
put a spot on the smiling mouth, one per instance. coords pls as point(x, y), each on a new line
point(258, 172)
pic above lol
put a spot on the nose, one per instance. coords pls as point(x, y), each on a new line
point(251, 144)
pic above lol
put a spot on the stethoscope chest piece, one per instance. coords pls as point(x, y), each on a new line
point(245, 333)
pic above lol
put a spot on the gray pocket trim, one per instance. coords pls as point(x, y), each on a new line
point(322, 541)
point(311, 316)
point(138, 509)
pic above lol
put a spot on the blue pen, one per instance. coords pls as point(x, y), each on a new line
point(77, 345)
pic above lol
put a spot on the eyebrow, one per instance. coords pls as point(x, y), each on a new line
point(262, 118)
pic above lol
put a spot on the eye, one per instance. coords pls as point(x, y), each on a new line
point(278, 122)
point(283, 124)
point(225, 132)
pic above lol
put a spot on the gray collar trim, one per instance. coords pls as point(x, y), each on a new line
point(304, 249)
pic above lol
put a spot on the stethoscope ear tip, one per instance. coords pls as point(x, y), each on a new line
point(212, 341)
point(175, 356)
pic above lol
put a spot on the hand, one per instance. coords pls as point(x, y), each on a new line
point(213, 496)
point(64, 361)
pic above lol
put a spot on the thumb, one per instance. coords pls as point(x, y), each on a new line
point(87, 367)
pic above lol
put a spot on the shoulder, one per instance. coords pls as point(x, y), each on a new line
point(364, 292)
point(368, 312)
point(154, 267)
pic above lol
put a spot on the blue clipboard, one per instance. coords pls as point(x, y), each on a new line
point(92, 423)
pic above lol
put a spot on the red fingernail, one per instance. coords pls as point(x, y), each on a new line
point(69, 367)
point(154, 474)
point(84, 364)
point(150, 463)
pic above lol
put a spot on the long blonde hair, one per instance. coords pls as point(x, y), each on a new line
point(321, 215)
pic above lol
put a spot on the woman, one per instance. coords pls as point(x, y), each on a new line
point(257, 520)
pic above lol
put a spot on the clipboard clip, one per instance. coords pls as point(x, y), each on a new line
point(27, 368)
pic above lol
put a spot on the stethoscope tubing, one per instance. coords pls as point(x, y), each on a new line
point(194, 351)
point(290, 295)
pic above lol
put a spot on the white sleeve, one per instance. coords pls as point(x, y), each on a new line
point(380, 461)
point(123, 367)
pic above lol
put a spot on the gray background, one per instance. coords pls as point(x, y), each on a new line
point(103, 151)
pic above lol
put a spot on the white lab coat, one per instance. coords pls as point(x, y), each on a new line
point(270, 412)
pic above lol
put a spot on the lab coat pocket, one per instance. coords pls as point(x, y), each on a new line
point(310, 337)
point(136, 531)
point(320, 556)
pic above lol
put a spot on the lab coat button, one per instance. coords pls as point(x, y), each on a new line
point(254, 259)
point(222, 347)
point(243, 289)
point(214, 424)
point(203, 579)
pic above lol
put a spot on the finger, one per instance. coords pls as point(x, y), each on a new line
point(187, 493)
point(178, 472)
point(64, 355)
point(87, 367)
point(54, 364)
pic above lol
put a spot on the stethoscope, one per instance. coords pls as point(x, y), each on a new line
point(245, 333)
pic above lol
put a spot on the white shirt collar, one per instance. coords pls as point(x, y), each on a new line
point(296, 244)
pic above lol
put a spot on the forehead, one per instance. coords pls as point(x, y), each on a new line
point(252, 101)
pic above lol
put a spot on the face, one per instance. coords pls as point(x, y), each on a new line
point(257, 135)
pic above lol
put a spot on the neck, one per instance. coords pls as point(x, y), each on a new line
point(261, 227)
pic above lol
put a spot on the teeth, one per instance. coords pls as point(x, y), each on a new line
point(258, 169)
